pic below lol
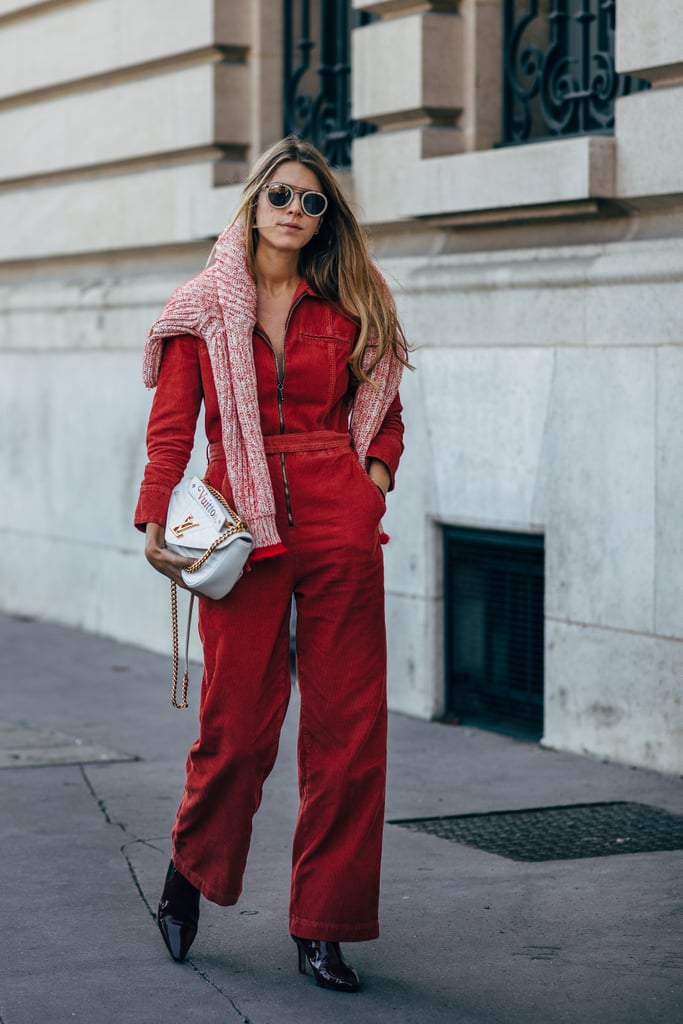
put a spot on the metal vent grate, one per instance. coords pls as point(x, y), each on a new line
point(560, 833)
point(493, 592)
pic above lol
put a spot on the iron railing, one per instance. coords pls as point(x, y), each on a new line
point(317, 75)
point(559, 76)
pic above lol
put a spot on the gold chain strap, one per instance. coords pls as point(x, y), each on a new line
point(230, 532)
point(238, 526)
point(186, 676)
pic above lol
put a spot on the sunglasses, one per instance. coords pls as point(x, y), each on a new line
point(280, 196)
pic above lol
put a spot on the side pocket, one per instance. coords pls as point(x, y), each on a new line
point(374, 489)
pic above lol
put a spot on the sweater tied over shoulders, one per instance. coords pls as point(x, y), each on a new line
point(218, 306)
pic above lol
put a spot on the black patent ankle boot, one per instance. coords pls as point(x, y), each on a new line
point(178, 914)
point(327, 963)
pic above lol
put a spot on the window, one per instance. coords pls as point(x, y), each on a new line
point(493, 599)
point(317, 76)
point(559, 76)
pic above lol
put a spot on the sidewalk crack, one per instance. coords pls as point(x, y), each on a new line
point(133, 840)
point(100, 803)
point(217, 988)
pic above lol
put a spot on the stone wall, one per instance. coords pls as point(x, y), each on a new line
point(539, 283)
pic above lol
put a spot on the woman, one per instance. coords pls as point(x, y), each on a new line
point(291, 340)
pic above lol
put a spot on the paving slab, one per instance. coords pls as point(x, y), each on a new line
point(22, 746)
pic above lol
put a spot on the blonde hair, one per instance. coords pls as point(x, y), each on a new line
point(336, 261)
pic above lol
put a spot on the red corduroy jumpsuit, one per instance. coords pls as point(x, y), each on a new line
point(328, 516)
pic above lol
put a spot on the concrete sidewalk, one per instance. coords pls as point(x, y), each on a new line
point(468, 937)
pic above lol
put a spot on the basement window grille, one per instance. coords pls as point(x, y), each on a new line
point(493, 601)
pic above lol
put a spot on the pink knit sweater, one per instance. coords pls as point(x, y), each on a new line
point(219, 306)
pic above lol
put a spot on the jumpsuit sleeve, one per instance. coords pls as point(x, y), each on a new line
point(171, 428)
point(387, 444)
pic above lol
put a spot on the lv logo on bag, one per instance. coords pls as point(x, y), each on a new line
point(187, 524)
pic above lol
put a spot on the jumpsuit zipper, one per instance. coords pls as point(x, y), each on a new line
point(280, 398)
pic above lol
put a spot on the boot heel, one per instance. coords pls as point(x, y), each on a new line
point(302, 958)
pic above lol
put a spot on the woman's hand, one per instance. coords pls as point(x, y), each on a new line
point(380, 475)
point(160, 558)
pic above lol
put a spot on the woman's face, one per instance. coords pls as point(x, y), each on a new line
point(288, 228)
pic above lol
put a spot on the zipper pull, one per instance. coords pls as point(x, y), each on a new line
point(281, 386)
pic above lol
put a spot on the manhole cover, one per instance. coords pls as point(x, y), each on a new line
point(22, 746)
point(560, 833)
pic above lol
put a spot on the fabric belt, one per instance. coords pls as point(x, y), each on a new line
point(313, 441)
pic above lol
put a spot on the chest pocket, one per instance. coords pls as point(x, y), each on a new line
point(325, 359)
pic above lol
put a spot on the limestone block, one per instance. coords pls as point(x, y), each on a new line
point(127, 211)
point(633, 294)
point(87, 39)
point(102, 589)
point(616, 294)
point(415, 655)
point(519, 176)
point(409, 558)
point(669, 491)
point(485, 413)
point(615, 696)
point(473, 301)
point(482, 59)
point(76, 459)
point(649, 144)
point(214, 208)
point(56, 316)
point(407, 69)
point(595, 488)
point(76, 462)
point(183, 109)
point(265, 60)
point(649, 43)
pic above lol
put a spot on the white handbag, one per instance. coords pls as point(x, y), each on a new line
point(201, 525)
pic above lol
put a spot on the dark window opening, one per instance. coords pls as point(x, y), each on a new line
point(493, 606)
point(317, 76)
point(559, 76)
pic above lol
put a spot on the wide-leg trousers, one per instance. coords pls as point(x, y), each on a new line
point(329, 512)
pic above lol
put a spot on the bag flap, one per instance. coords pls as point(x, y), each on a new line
point(195, 518)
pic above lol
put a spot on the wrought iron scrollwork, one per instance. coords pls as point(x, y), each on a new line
point(559, 72)
point(317, 76)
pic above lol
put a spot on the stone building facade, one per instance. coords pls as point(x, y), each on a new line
point(539, 282)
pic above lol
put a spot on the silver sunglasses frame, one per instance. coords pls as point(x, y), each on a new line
point(301, 192)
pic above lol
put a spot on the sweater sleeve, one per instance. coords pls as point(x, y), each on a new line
point(387, 444)
point(171, 428)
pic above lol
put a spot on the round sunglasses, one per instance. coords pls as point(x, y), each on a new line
point(280, 196)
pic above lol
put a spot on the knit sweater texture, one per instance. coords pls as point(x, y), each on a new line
point(218, 306)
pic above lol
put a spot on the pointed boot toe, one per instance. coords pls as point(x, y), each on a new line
point(176, 933)
point(178, 914)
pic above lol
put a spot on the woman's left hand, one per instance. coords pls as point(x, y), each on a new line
point(380, 475)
